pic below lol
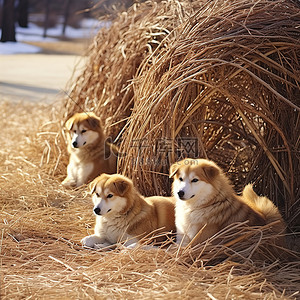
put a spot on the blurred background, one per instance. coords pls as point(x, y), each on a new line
point(53, 14)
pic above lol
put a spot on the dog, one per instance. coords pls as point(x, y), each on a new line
point(124, 215)
point(90, 153)
point(207, 203)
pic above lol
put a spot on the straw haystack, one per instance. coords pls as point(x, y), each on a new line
point(217, 79)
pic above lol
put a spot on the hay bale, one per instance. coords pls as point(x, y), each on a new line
point(214, 79)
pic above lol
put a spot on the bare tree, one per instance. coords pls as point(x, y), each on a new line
point(8, 21)
point(23, 13)
point(46, 21)
point(66, 16)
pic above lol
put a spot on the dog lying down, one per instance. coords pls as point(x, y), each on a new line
point(124, 215)
point(90, 153)
point(207, 203)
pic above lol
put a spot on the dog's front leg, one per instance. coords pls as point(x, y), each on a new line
point(182, 239)
point(70, 180)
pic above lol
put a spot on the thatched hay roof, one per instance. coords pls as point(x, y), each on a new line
point(217, 79)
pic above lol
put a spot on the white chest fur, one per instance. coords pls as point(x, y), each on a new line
point(189, 221)
point(80, 171)
point(114, 230)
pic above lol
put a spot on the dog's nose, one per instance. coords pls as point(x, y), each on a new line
point(97, 210)
point(180, 194)
point(74, 144)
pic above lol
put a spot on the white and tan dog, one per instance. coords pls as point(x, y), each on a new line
point(124, 215)
point(90, 153)
point(207, 203)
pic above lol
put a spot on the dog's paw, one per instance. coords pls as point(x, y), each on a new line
point(137, 245)
point(87, 242)
point(130, 246)
point(69, 183)
point(91, 241)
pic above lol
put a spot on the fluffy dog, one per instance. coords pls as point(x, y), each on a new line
point(90, 153)
point(124, 215)
point(206, 202)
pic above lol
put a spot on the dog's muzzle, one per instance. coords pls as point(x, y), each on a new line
point(180, 195)
point(97, 211)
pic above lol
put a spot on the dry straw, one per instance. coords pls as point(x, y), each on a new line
point(42, 223)
point(216, 79)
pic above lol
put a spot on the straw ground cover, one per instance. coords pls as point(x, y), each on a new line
point(42, 224)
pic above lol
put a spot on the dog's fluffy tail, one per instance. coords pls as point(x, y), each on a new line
point(266, 207)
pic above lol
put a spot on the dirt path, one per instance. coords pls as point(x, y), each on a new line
point(36, 77)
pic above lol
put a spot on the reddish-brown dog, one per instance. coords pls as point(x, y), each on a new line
point(124, 215)
point(90, 153)
point(207, 203)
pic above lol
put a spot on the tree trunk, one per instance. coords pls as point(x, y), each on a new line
point(8, 21)
point(23, 13)
point(46, 22)
point(66, 16)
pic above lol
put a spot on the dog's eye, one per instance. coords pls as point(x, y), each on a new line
point(180, 178)
point(109, 195)
point(195, 180)
point(83, 131)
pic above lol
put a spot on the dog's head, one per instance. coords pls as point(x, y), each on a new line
point(194, 179)
point(110, 194)
point(84, 129)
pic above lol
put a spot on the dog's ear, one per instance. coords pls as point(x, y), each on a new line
point(210, 171)
point(173, 170)
point(92, 186)
point(94, 122)
point(121, 186)
point(69, 123)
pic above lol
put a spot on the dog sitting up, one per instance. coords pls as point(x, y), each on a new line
point(90, 153)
